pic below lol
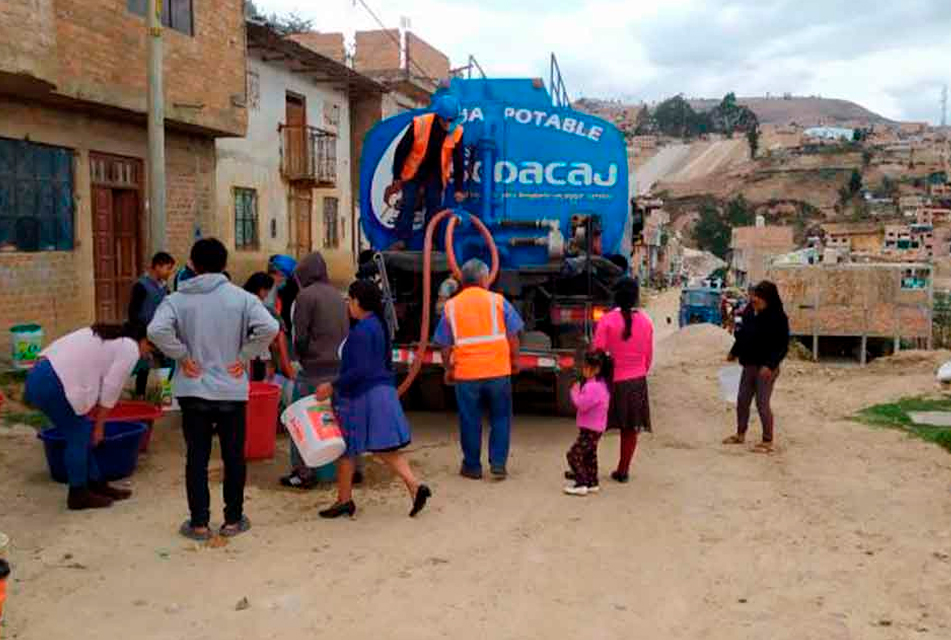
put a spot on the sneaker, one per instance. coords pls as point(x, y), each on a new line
point(576, 490)
point(499, 472)
point(594, 488)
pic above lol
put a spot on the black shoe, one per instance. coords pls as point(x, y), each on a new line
point(620, 477)
point(569, 475)
point(423, 493)
point(499, 472)
point(296, 481)
point(339, 509)
point(471, 474)
point(79, 499)
point(357, 478)
point(105, 489)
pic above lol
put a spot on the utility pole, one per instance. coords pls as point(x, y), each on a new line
point(944, 106)
point(157, 236)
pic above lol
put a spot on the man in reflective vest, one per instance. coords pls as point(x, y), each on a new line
point(478, 333)
point(427, 156)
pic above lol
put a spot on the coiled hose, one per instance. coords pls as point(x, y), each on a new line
point(423, 344)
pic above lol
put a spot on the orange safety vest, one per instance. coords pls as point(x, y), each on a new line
point(422, 127)
point(481, 347)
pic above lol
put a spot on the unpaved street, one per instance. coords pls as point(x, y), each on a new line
point(844, 533)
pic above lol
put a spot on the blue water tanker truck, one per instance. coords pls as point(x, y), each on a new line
point(547, 202)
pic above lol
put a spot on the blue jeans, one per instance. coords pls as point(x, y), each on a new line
point(472, 397)
point(433, 194)
point(45, 392)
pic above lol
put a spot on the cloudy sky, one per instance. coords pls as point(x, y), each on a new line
point(891, 56)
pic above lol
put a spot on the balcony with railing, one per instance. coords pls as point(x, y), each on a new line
point(308, 155)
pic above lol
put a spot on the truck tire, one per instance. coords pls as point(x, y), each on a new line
point(564, 380)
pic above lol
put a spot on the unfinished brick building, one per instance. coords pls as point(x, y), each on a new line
point(73, 147)
point(890, 302)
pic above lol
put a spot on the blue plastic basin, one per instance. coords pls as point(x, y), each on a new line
point(116, 455)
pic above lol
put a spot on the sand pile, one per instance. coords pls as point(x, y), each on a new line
point(912, 358)
point(695, 343)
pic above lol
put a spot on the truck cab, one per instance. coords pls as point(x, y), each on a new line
point(700, 305)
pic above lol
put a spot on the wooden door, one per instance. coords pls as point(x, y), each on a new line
point(126, 207)
point(301, 205)
point(115, 250)
point(104, 255)
point(296, 134)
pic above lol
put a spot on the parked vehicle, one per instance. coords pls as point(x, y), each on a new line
point(699, 305)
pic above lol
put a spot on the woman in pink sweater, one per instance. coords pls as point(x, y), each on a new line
point(627, 335)
point(591, 397)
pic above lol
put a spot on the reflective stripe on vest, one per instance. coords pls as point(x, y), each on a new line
point(480, 343)
point(422, 128)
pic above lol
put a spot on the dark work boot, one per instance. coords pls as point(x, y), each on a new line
point(105, 489)
point(83, 498)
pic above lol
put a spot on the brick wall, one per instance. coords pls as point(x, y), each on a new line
point(55, 289)
point(96, 51)
point(326, 44)
point(377, 50)
point(423, 56)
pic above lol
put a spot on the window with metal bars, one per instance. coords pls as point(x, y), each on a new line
point(245, 218)
point(36, 197)
point(331, 222)
point(176, 14)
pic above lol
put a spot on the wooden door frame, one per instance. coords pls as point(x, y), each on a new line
point(138, 187)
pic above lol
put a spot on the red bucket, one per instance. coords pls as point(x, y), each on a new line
point(137, 411)
point(260, 435)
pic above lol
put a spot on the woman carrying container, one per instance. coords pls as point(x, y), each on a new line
point(762, 342)
point(366, 402)
point(77, 381)
point(627, 335)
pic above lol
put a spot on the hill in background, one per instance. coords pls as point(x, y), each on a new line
point(801, 110)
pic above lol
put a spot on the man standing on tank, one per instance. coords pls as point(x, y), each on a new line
point(427, 156)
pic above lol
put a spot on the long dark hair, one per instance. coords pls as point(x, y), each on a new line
point(370, 298)
point(133, 330)
point(768, 292)
point(627, 295)
point(603, 363)
point(257, 282)
point(287, 294)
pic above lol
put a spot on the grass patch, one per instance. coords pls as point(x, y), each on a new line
point(33, 419)
point(895, 415)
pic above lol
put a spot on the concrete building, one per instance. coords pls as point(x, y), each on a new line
point(287, 186)
point(74, 213)
point(753, 248)
point(921, 242)
point(857, 237)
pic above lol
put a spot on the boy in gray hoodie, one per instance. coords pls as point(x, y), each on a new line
point(210, 328)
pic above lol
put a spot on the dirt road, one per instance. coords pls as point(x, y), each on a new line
point(844, 533)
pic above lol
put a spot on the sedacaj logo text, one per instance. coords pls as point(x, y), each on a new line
point(576, 174)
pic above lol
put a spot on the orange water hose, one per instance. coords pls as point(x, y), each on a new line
point(417, 364)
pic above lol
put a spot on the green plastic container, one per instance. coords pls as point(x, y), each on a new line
point(27, 340)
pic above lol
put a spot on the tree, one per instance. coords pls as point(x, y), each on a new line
point(284, 24)
point(675, 117)
point(739, 213)
point(644, 123)
point(855, 182)
point(752, 138)
point(711, 233)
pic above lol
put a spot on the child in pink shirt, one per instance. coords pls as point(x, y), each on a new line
point(591, 397)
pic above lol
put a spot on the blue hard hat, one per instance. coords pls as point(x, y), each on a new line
point(283, 264)
point(447, 108)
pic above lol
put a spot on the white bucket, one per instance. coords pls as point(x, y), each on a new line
point(944, 373)
point(729, 377)
point(4, 545)
point(314, 429)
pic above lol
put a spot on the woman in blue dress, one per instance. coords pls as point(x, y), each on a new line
point(366, 403)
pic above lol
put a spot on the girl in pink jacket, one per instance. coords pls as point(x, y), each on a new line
point(591, 397)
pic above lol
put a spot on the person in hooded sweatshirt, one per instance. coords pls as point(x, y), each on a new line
point(762, 342)
point(320, 325)
point(210, 327)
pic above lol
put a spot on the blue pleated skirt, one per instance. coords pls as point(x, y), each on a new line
point(373, 421)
